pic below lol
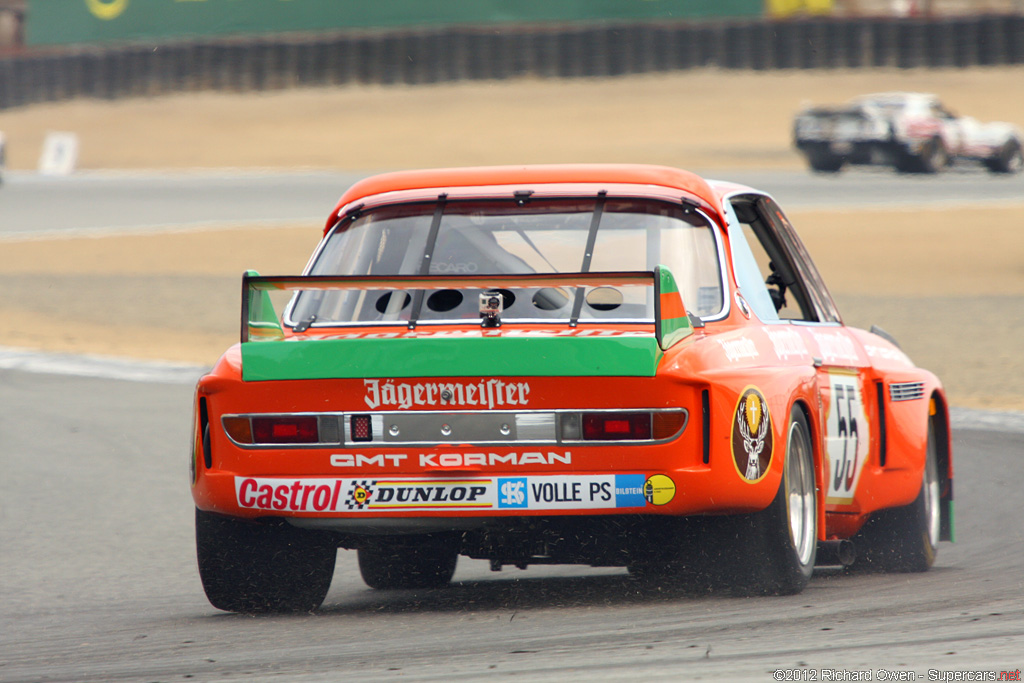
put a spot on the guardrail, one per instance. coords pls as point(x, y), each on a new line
point(430, 56)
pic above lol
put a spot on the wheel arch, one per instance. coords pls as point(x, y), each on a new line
point(815, 436)
point(938, 413)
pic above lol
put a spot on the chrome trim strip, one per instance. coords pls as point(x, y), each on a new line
point(426, 428)
point(536, 426)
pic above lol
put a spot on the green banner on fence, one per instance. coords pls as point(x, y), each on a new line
point(51, 22)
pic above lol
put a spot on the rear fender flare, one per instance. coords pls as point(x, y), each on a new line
point(939, 412)
point(816, 454)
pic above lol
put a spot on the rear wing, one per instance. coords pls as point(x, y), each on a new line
point(261, 323)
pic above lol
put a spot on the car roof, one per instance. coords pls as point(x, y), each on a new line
point(606, 175)
point(896, 97)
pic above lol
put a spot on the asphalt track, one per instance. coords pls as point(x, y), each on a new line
point(98, 579)
point(33, 205)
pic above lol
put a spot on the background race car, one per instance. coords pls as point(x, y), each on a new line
point(912, 132)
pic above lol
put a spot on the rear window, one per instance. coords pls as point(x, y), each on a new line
point(511, 237)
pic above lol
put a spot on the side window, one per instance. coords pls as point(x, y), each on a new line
point(747, 269)
point(940, 112)
point(778, 271)
point(812, 283)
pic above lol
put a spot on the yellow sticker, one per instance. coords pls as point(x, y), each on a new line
point(659, 490)
point(106, 9)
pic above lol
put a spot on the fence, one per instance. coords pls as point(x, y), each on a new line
point(430, 56)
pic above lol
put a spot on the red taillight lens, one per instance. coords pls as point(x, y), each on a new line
point(285, 429)
point(616, 426)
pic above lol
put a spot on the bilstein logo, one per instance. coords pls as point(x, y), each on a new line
point(752, 441)
point(106, 9)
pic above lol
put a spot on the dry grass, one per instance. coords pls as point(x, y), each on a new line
point(697, 119)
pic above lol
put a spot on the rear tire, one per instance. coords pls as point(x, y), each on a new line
point(408, 562)
point(772, 552)
point(1010, 158)
point(905, 539)
point(932, 158)
point(251, 567)
point(822, 160)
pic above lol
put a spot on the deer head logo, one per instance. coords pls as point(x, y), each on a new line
point(752, 434)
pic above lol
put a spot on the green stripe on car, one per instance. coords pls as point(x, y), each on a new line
point(498, 356)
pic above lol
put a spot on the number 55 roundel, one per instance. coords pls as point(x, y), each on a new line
point(847, 437)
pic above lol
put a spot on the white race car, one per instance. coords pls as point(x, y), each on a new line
point(912, 132)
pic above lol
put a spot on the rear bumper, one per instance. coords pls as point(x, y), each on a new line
point(375, 500)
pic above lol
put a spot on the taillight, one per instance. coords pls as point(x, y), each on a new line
point(616, 426)
point(289, 429)
point(270, 430)
point(668, 424)
point(239, 429)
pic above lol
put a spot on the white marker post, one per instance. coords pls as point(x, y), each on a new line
point(60, 154)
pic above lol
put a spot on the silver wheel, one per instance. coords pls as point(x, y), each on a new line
point(773, 550)
point(801, 495)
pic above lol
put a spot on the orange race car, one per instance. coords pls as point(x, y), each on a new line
point(612, 365)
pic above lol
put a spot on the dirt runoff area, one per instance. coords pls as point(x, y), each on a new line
point(949, 283)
